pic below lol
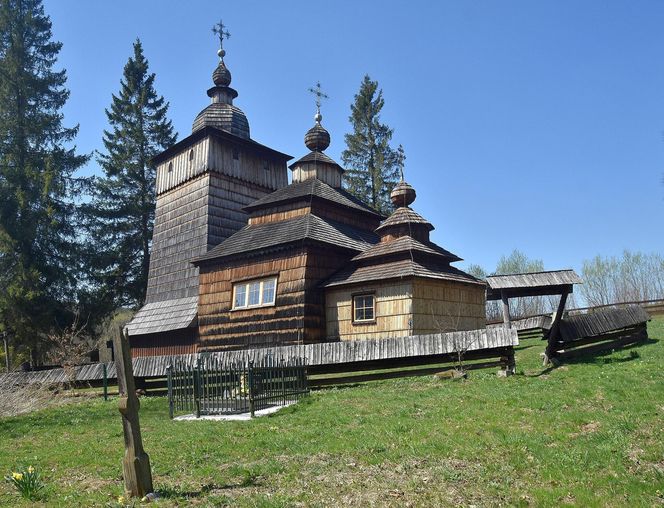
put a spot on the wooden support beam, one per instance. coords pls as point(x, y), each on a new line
point(506, 309)
point(136, 463)
point(555, 328)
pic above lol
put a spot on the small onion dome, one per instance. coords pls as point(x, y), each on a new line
point(317, 138)
point(221, 75)
point(402, 195)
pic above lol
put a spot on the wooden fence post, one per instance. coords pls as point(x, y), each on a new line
point(250, 382)
point(136, 463)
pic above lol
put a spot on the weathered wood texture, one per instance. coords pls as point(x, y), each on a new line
point(601, 321)
point(210, 154)
point(135, 463)
point(393, 310)
point(298, 315)
point(345, 355)
point(174, 342)
point(324, 172)
point(443, 306)
point(531, 284)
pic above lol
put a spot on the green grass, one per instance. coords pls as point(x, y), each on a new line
point(588, 433)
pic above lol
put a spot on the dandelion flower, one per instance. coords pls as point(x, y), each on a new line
point(31, 470)
point(121, 500)
point(17, 476)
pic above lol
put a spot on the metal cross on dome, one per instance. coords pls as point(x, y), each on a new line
point(221, 31)
point(319, 95)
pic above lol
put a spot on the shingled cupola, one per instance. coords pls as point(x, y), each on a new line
point(316, 164)
point(221, 113)
point(404, 221)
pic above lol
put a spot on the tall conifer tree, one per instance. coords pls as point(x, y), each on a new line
point(372, 165)
point(37, 182)
point(121, 213)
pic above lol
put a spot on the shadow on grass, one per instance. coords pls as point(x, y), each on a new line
point(248, 480)
point(599, 357)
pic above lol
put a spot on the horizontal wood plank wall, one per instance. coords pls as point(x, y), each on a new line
point(444, 306)
point(223, 328)
point(298, 315)
point(393, 311)
point(279, 213)
point(180, 233)
point(176, 342)
point(345, 215)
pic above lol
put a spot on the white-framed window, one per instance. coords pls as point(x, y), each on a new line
point(364, 308)
point(254, 293)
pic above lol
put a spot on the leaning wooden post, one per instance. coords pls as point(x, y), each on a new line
point(136, 463)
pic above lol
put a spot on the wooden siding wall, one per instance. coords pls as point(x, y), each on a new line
point(393, 311)
point(180, 233)
point(176, 342)
point(197, 209)
point(345, 215)
point(279, 213)
point(298, 315)
point(323, 171)
point(212, 154)
point(442, 306)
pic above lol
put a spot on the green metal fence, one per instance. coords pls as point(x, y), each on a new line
point(212, 387)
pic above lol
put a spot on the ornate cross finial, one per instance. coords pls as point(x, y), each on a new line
point(220, 30)
point(319, 95)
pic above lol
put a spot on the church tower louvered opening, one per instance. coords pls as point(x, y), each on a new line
point(203, 183)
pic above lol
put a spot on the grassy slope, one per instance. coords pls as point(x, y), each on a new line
point(588, 433)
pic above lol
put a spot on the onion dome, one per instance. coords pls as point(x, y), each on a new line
point(317, 139)
point(222, 114)
point(403, 194)
point(221, 75)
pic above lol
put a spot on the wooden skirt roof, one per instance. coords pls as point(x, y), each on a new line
point(164, 316)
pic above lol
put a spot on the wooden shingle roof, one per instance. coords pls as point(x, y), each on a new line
point(397, 270)
point(164, 316)
point(258, 237)
point(404, 215)
point(405, 244)
point(311, 189)
point(316, 156)
point(531, 284)
point(601, 321)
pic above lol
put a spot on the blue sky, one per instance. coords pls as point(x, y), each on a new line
point(529, 125)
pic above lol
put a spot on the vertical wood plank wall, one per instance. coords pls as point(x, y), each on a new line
point(393, 311)
point(443, 306)
point(406, 307)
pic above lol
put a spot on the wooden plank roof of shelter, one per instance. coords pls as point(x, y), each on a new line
point(312, 188)
point(601, 321)
point(531, 284)
point(259, 237)
point(400, 269)
point(164, 316)
point(222, 135)
point(343, 352)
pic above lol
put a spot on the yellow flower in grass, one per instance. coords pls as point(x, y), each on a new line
point(121, 500)
point(31, 470)
point(17, 476)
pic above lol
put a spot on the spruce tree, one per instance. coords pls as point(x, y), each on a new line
point(38, 245)
point(372, 165)
point(121, 213)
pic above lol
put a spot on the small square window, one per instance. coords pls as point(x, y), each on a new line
point(364, 308)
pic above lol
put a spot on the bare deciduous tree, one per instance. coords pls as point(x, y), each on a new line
point(68, 348)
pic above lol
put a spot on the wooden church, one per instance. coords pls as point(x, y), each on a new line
point(242, 259)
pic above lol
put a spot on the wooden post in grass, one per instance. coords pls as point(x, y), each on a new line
point(136, 463)
point(554, 331)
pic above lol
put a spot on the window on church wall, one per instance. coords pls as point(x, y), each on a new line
point(254, 293)
point(191, 155)
point(236, 154)
point(364, 308)
point(170, 167)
